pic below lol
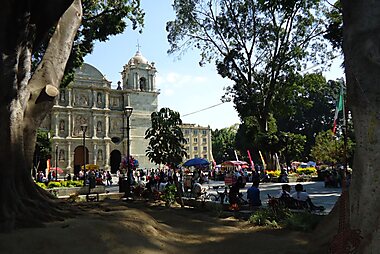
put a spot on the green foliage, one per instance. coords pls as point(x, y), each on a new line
point(249, 136)
point(101, 19)
point(165, 138)
point(68, 184)
point(256, 44)
point(329, 149)
point(300, 221)
point(169, 194)
point(306, 171)
point(306, 107)
point(42, 148)
point(292, 145)
point(268, 217)
point(223, 142)
point(42, 185)
point(335, 26)
point(72, 183)
point(53, 184)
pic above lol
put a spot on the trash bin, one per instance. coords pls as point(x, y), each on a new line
point(123, 184)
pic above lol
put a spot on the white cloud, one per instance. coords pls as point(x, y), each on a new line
point(178, 80)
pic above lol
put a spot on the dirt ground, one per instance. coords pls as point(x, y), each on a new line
point(142, 228)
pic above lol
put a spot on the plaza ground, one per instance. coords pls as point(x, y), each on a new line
point(115, 226)
point(120, 227)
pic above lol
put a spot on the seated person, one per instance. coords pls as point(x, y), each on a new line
point(161, 186)
point(253, 194)
point(197, 190)
point(234, 193)
point(283, 198)
point(285, 191)
point(304, 198)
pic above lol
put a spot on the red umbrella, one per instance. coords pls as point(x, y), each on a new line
point(59, 170)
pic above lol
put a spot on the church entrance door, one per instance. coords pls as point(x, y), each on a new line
point(78, 158)
point(115, 161)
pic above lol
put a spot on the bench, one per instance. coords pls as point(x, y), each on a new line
point(92, 196)
point(287, 202)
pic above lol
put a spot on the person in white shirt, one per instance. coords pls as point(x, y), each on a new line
point(303, 196)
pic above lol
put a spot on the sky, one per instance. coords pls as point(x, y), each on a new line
point(184, 85)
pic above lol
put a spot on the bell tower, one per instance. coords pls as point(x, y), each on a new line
point(139, 74)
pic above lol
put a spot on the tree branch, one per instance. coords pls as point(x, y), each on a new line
point(50, 71)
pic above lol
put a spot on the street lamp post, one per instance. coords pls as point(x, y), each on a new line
point(84, 128)
point(56, 162)
point(128, 112)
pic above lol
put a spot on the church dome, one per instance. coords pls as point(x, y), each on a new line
point(138, 59)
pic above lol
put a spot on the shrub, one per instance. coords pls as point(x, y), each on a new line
point(265, 217)
point(53, 184)
point(42, 185)
point(306, 171)
point(302, 221)
point(169, 195)
point(77, 183)
point(71, 183)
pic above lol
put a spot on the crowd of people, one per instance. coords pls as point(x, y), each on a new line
point(156, 180)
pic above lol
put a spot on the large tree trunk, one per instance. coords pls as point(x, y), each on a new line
point(362, 63)
point(25, 101)
point(361, 46)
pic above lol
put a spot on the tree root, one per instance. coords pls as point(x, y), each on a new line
point(33, 209)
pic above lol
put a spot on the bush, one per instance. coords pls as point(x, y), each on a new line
point(306, 171)
point(53, 184)
point(42, 185)
point(169, 194)
point(268, 217)
point(301, 221)
point(71, 183)
point(67, 184)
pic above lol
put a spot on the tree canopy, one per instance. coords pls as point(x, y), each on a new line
point(254, 43)
point(166, 141)
point(223, 143)
point(101, 19)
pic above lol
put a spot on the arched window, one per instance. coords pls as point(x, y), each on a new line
point(99, 99)
point(61, 125)
point(142, 84)
point(62, 96)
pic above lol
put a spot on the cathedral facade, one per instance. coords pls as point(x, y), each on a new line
point(89, 100)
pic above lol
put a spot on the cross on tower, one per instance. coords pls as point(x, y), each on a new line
point(138, 46)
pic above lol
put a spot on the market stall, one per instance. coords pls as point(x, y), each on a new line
point(232, 170)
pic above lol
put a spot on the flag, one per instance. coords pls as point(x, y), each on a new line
point(236, 156)
point(339, 107)
point(48, 165)
point(262, 159)
point(278, 166)
point(250, 159)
